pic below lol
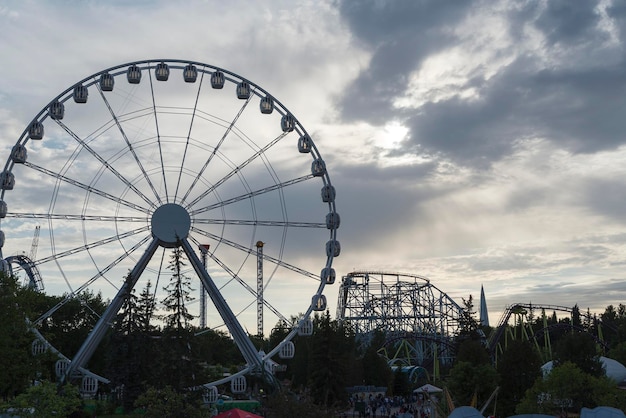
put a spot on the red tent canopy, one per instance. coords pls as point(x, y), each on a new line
point(237, 413)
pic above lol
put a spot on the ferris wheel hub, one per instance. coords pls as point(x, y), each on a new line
point(170, 224)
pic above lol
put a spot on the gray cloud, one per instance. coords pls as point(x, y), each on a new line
point(572, 99)
point(400, 35)
point(570, 22)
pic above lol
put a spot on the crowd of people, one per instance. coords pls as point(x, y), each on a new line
point(370, 406)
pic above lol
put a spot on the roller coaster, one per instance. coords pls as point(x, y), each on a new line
point(420, 322)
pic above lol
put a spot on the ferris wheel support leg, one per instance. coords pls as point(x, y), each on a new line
point(234, 327)
point(93, 339)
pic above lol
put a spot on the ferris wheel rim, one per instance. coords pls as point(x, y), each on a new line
point(150, 64)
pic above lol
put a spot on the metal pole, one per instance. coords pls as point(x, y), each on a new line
point(259, 288)
point(204, 249)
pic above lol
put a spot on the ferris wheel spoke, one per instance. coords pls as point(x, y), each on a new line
point(56, 216)
point(86, 187)
point(236, 277)
point(129, 145)
point(216, 149)
point(158, 133)
point(238, 168)
point(247, 250)
point(193, 117)
point(105, 163)
point(274, 187)
point(89, 282)
point(246, 286)
point(91, 245)
point(287, 224)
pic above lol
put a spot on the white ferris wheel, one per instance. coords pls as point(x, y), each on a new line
point(147, 156)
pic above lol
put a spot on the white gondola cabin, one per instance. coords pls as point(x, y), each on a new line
point(210, 395)
point(332, 220)
point(162, 71)
point(238, 384)
point(288, 350)
point(304, 144)
point(5, 267)
point(217, 80)
point(37, 347)
point(267, 105)
point(333, 248)
point(56, 110)
point(7, 180)
point(328, 194)
point(305, 328)
point(80, 94)
point(3, 209)
point(328, 275)
point(19, 154)
point(133, 74)
point(89, 386)
point(61, 366)
point(190, 73)
point(319, 303)
point(107, 82)
point(287, 123)
point(318, 167)
point(35, 131)
point(243, 90)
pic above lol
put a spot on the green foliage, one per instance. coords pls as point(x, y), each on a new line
point(466, 379)
point(167, 403)
point(46, 400)
point(327, 362)
point(618, 352)
point(473, 351)
point(16, 362)
point(568, 388)
point(178, 294)
point(518, 369)
point(287, 405)
point(580, 349)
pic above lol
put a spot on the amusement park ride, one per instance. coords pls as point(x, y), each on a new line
point(140, 158)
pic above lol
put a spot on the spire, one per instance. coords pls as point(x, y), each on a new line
point(484, 315)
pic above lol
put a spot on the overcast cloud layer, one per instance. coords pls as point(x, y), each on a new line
point(471, 142)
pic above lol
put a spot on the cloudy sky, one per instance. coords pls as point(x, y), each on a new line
point(472, 142)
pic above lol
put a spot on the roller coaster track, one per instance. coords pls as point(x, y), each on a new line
point(31, 270)
point(523, 309)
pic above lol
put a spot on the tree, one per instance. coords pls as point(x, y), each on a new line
point(376, 371)
point(16, 361)
point(46, 400)
point(469, 326)
point(127, 321)
point(467, 379)
point(167, 403)
point(578, 348)
point(178, 295)
point(568, 388)
point(176, 351)
point(473, 351)
point(519, 367)
point(327, 367)
point(145, 309)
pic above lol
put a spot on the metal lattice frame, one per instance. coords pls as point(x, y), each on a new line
point(406, 307)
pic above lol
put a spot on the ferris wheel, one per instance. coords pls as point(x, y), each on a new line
point(149, 156)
